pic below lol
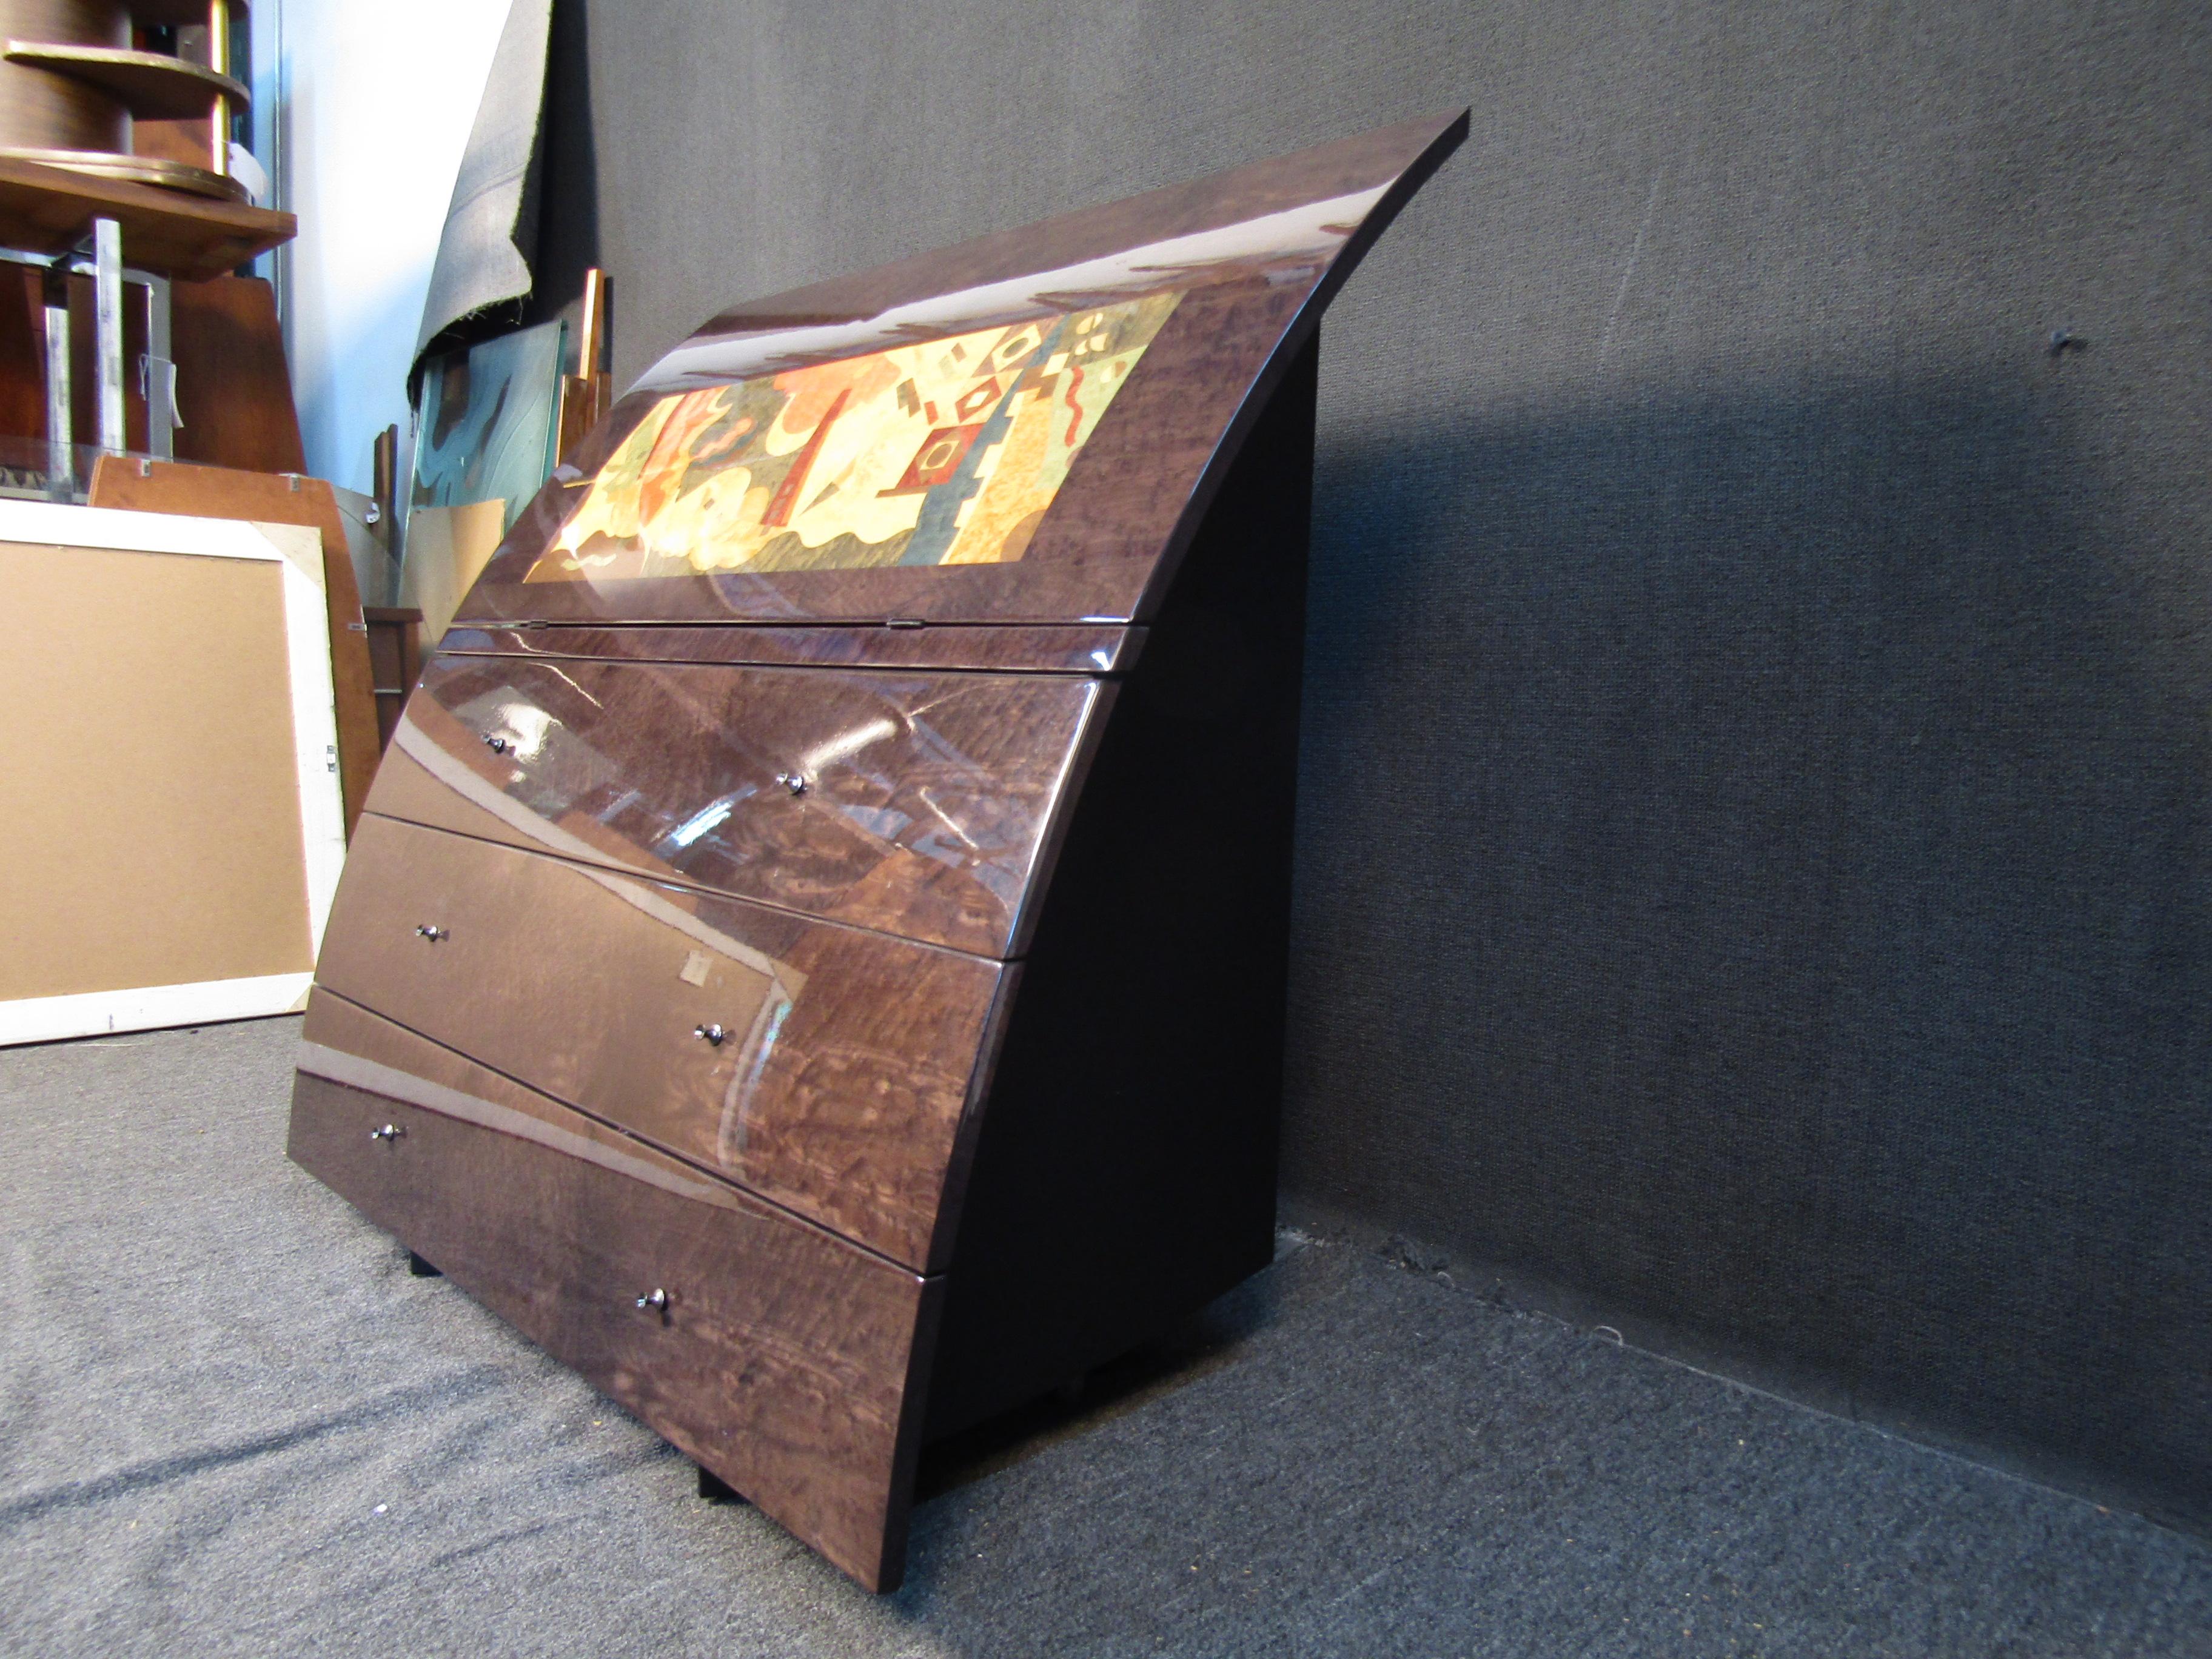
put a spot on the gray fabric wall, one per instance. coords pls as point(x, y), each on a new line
point(1752, 846)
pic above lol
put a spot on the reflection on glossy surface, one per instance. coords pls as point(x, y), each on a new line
point(920, 804)
point(838, 1091)
point(1288, 245)
point(705, 903)
point(349, 1045)
point(1253, 253)
point(1096, 649)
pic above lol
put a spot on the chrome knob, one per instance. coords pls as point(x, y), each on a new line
point(792, 780)
point(497, 745)
point(655, 1300)
point(431, 931)
point(713, 1034)
point(389, 1132)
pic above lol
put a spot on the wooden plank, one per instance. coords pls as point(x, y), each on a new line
point(921, 800)
point(46, 210)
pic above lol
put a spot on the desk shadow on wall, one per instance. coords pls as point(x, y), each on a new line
point(1752, 871)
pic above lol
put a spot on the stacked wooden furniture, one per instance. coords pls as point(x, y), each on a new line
point(829, 1006)
point(76, 93)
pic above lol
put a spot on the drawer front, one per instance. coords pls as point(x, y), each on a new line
point(780, 1359)
point(835, 1065)
point(345, 1043)
point(913, 803)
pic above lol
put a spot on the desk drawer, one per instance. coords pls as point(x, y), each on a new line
point(780, 1359)
point(922, 799)
point(841, 1074)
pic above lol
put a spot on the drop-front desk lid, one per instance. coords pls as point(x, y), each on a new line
point(1023, 428)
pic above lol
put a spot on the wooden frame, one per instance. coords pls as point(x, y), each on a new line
point(297, 554)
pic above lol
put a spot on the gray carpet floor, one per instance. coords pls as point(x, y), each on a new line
point(230, 1423)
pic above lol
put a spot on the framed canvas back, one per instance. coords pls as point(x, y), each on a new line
point(171, 825)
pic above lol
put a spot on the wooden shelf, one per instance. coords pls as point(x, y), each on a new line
point(151, 85)
point(46, 210)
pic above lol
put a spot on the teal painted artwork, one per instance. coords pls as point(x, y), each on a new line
point(487, 421)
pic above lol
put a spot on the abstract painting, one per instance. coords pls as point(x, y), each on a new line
point(943, 452)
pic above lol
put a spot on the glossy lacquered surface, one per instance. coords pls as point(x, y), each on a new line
point(1252, 255)
point(915, 804)
point(1079, 648)
point(780, 1359)
point(842, 1073)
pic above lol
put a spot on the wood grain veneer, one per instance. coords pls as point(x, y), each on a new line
point(214, 492)
point(1082, 648)
point(915, 804)
point(1002, 987)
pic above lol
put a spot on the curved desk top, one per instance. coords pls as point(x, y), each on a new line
point(1025, 428)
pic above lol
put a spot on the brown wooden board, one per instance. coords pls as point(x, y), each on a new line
point(23, 353)
point(395, 659)
point(781, 1358)
point(913, 803)
point(152, 86)
point(233, 387)
point(206, 492)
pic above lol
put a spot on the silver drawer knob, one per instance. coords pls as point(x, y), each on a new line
point(497, 745)
point(389, 1132)
point(792, 780)
point(713, 1034)
point(431, 931)
point(655, 1300)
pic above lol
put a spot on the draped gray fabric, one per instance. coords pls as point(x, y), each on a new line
point(485, 251)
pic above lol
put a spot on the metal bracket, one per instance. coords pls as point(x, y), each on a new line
point(102, 260)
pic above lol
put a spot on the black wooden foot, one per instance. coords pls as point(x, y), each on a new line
point(716, 1490)
point(421, 1268)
